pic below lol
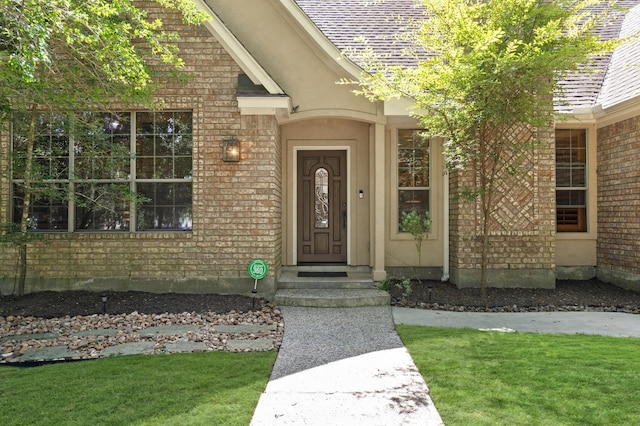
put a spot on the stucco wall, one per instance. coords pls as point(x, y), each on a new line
point(236, 206)
point(329, 133)
point(576, 251)
point(618, 203)
point(400, 248)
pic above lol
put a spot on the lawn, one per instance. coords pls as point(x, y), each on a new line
point(494, 378)
point(214, 388)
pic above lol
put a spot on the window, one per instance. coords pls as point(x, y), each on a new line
point(86, 178)
point(413, 172)
point(571, 180)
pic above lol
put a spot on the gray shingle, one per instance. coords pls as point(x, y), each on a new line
point(622, 81)
point(343, 22)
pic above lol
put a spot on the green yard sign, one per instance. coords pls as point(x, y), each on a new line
point(257, 270)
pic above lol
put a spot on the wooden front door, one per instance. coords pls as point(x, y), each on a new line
point(322, 206)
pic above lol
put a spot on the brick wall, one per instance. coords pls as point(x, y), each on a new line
point(522, 235)
point(618, 247)
point(236, 206)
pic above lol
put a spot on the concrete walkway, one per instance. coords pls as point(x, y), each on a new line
point(597, 323)
point(347, 366)
point(344, 366)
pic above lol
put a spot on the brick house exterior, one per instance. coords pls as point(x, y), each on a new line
point(619, 202)
point(236, 206)
point(264, 73)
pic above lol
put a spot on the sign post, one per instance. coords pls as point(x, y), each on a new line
point(257, 270)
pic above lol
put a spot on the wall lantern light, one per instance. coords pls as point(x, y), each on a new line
point(230, 149)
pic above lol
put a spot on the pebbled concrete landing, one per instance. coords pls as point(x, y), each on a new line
point(332, 298)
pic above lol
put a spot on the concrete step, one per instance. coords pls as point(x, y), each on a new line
point(327, 268)
point(331, 298)
point(357, 278)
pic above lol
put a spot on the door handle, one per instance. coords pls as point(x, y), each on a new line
point(344, 215)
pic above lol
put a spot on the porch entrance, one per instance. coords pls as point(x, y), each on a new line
point(322, 207)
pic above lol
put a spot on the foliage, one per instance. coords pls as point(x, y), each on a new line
point(405, 287)
point(418, 225)
point(73, 53)
point(486, 75)
point(65, 57)
point(386, 283)
point(492, 378)
point(140, 389)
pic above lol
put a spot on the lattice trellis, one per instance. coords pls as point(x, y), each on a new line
point(516, 204)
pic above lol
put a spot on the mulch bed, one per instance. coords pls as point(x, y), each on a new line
point(568, 295)
point(590, 295)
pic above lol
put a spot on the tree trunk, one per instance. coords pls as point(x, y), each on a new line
point(26, 204)
point(484, 273)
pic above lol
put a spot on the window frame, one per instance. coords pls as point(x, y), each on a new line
point(397, 186)
point(577, 213)
point(130, 179)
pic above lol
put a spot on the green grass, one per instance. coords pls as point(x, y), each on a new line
point(214, 388)
point(493, 378)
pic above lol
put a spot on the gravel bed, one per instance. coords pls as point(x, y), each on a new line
point(127, 327)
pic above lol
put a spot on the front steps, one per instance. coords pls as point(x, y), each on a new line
point(355, 290)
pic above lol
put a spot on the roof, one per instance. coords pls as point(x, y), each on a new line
point(583, 88)
point(622, 81)
point(346, 22)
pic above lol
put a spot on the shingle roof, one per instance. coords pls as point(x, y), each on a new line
point(581, 89)
point(622, 81)
point(344, 22)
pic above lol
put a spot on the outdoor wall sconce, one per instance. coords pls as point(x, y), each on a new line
point(231, 149)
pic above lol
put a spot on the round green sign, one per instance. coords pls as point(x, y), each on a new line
point(258, 269)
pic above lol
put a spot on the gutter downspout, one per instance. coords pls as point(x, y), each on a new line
point(445, 236)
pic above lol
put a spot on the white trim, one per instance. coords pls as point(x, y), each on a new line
point(445, 230)
point(336, 113)
point(232, 45)
point(293, 209)
point(265, 105)
point(616, 113)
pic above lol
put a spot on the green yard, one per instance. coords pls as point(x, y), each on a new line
point(475, 377)
point(493, 378)
point(215, 388)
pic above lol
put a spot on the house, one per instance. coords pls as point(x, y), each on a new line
point(280, 163)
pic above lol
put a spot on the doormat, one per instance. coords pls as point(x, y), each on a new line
point(322, 274)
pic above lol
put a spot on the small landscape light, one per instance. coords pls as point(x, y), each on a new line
point(430, 290)
point(103, 297)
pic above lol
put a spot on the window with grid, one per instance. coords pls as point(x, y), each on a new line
point(571, 180)
point(413, 172)
point(86, 178)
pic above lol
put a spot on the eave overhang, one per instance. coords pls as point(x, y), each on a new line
point(238, 52)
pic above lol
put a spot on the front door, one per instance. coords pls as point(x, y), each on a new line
point(322, 206)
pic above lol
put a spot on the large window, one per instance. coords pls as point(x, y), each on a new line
point(571, 180)
point(413, 172)
point(105, 172)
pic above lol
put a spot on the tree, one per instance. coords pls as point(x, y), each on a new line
point(62, 58)
point(486, 76)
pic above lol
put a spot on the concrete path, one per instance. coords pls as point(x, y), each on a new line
point(597, 323)
point(344, 366)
